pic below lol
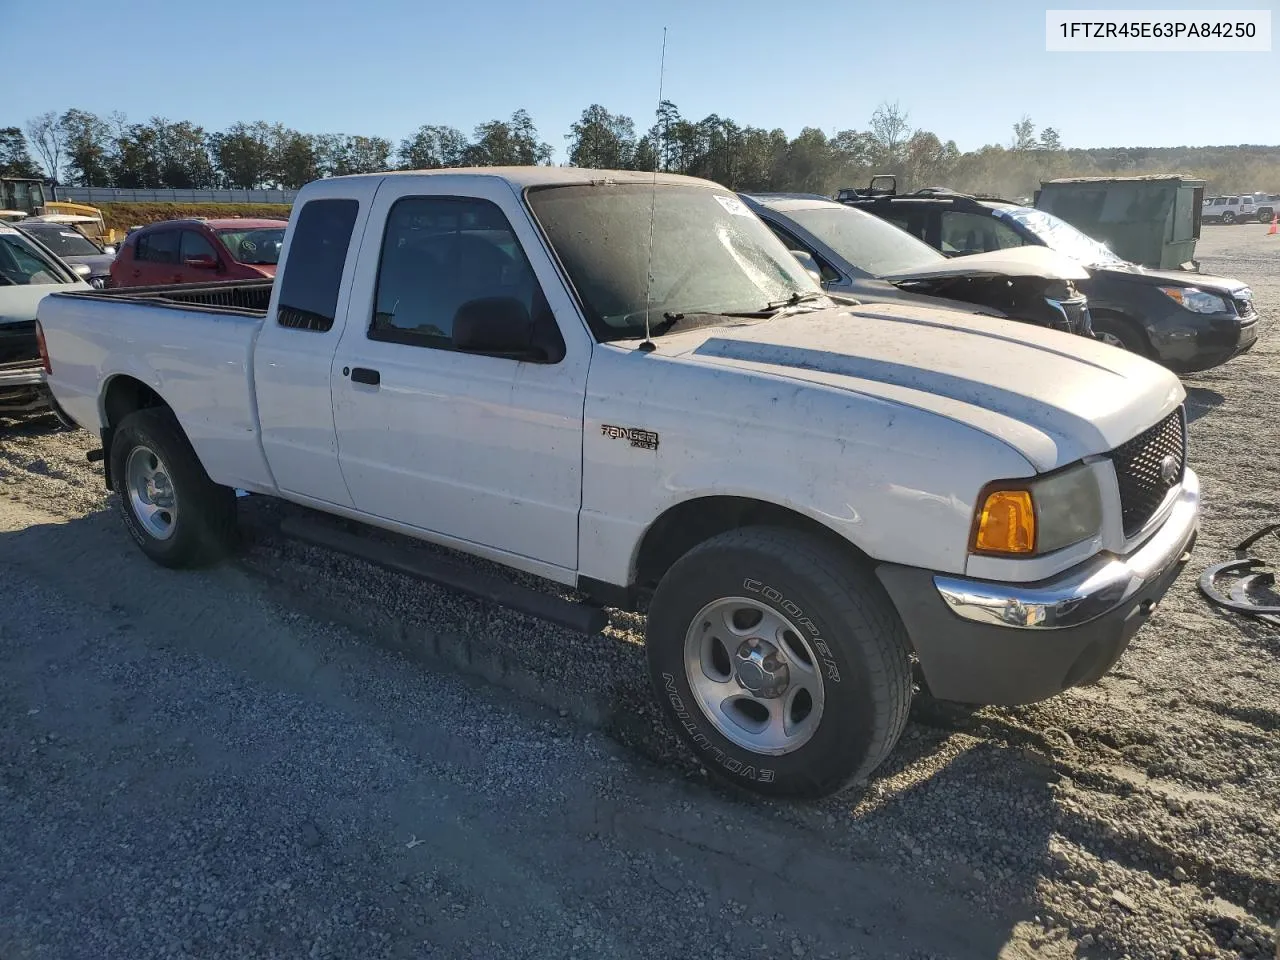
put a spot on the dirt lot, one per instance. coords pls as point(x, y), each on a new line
point(291, 756)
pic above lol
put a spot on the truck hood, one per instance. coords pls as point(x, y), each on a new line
point(1051, 396)
point(1026, 261)
point(18, 302)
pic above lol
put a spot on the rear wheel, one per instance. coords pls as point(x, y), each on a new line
point(173, 511)
point(1228, 217)
point(779, 661)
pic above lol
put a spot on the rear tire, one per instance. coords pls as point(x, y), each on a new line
point(1228, 218)
point(827, 697)
point(173, 511)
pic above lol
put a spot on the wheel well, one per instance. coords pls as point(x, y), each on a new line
point(124, 396)
point(688, 524)
point(1128, 322)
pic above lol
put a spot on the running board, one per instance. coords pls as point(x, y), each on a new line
point(565, 613)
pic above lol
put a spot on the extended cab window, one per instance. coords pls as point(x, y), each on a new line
point(158, 247)
point(312, 276)
point(439, 253)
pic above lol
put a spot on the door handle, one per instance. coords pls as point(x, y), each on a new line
point(365, 375)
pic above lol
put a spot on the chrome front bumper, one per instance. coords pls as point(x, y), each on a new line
point(1083, 593)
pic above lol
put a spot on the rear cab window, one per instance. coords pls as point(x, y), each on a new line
point(312, 277)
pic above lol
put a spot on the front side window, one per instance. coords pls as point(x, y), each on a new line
point(439, 253)
point(829, 275)
point(195, 245)
point(158, 247)
point(969, 233)
point(23, 264)
point(710, 253)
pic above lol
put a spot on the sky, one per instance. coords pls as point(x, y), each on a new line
point(965, 69)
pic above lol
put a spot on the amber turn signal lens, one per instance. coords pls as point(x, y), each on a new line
point(1007, 523)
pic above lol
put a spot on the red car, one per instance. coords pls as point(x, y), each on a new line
point(197, 251)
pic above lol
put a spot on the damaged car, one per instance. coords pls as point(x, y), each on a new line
point(28, 273)
point(857, 255)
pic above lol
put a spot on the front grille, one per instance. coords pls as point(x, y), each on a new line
point(1140, 469)
point(1075, 315)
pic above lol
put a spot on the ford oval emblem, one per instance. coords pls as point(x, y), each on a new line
point(1169, 469)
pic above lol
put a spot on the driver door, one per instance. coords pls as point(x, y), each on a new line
point(481, 449)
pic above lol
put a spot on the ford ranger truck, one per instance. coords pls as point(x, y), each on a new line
point(625, 384)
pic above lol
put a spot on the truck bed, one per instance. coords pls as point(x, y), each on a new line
point(245, 297)
point(191, 343)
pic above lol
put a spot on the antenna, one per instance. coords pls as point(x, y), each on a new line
point(647, 346)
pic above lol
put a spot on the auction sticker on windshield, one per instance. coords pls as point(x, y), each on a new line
point(733, 205)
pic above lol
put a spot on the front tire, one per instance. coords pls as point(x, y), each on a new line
point(1120, 333)
point(173, 511)
point(779, 661)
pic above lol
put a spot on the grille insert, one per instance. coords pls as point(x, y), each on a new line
point(1141, 472)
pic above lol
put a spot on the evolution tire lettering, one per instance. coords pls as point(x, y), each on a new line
point(701, 741)
point(645, 439)
point(830, 667)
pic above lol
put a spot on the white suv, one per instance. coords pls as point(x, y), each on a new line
point(1229, 209)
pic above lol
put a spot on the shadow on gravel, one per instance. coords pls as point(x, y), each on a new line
point(29, 426)
point(948, 841)
point(1201, 400)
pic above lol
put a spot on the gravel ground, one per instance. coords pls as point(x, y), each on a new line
point(146, 810)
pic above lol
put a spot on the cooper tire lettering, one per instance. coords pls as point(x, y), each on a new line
point(703, 742)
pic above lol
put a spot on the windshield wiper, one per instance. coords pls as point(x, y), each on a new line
point(794, 300)
point(688, 321)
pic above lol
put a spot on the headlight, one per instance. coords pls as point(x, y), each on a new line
point(1196, 300)
point(1028, 518)
point(98, 283)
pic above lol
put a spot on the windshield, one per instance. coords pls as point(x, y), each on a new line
point(1060, 236)
point(254, 246)
point(710, 253)
point(23, 264)
point(864, 241)
point(64, 241)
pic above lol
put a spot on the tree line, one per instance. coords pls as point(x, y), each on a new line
point(81, 148)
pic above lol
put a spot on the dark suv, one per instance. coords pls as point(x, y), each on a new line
point(1186, 321)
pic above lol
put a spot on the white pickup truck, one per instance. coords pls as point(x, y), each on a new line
point(808, 498)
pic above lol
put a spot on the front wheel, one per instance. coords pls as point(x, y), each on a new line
point(1119, 333)
point(173, 511)
point(779, 661)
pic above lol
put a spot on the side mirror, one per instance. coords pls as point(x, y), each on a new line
point(109, 249)
point(810, 264)
point(500, 326)
point(81, 270)
point(202, 261)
